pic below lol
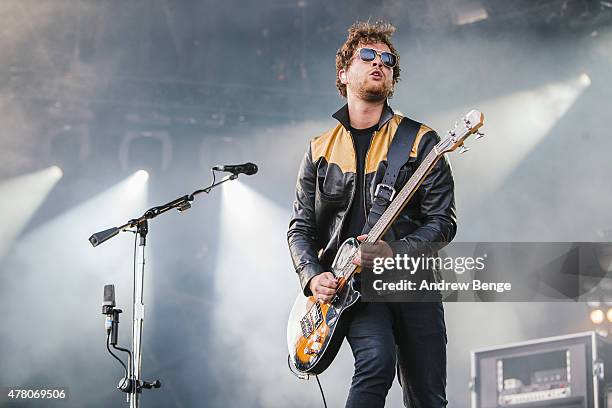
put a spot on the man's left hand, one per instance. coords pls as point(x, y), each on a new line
point(367, 253)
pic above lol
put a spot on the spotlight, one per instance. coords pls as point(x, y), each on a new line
point(609, 315)
point(597, 316)
point(56, 171)
point(141, 176)
point(137, 180)
point(585, 79)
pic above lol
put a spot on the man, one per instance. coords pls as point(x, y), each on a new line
point(334, 192)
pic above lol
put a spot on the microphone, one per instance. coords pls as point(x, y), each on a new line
point(246, 168)
point(112, 315)
point(109, 299)
point(99, 237)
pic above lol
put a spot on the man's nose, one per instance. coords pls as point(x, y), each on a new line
point(377, 61)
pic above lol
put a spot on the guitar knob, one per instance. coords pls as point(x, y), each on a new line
point(309, 351)
point(464, 149)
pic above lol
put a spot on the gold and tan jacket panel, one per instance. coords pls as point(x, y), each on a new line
point(336, 146)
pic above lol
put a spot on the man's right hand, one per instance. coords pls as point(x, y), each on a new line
point(324, 286)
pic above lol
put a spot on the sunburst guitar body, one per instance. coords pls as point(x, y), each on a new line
point(315, 330)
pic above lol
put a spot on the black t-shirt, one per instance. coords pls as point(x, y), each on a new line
point(356, 216)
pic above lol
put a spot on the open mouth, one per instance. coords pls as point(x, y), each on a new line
point(376, 74)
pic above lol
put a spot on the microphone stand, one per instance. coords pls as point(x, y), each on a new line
point(142, 228)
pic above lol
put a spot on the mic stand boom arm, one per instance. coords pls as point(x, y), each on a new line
point(141, 224)
point(181, 204)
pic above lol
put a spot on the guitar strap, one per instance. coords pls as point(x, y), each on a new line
point(397, 156)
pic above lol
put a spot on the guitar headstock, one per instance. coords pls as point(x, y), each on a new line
point(467, 126)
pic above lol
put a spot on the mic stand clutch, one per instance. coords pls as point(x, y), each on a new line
point(134, 385)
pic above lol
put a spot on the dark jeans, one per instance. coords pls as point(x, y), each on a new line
point(409, 336)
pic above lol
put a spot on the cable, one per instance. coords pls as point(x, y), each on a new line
point(321, 389)
point(304, 376)
point(214, 176)
point(125, 378)
point(129, 353)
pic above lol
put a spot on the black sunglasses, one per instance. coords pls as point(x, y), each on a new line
point(369, 54)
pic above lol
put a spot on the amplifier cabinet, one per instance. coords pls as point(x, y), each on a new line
point(565, 371)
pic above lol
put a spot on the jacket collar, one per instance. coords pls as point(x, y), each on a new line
point(342, 116)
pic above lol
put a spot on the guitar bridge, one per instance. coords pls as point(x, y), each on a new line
point(312, 320)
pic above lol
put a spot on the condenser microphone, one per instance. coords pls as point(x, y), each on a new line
point(109, 299)
point(246, 168)
point(112, 314)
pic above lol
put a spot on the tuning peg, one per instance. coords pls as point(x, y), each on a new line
point(479, 135)
point(464, 149)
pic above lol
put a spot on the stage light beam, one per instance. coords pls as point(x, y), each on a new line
point(21, 197)
point(515, 124)
point(253, 263)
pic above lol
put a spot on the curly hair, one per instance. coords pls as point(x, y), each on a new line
point(364, 32)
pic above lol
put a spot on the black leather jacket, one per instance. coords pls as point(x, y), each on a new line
point(326, 185)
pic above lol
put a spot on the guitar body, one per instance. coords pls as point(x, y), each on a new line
point(315, 330)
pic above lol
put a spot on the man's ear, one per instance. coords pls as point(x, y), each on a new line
point(342, 76)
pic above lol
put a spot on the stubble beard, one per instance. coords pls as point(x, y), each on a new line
point(375, 92)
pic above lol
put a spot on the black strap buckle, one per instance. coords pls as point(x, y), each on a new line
point(384, 191)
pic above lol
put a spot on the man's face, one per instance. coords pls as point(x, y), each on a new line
point(368, 80)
